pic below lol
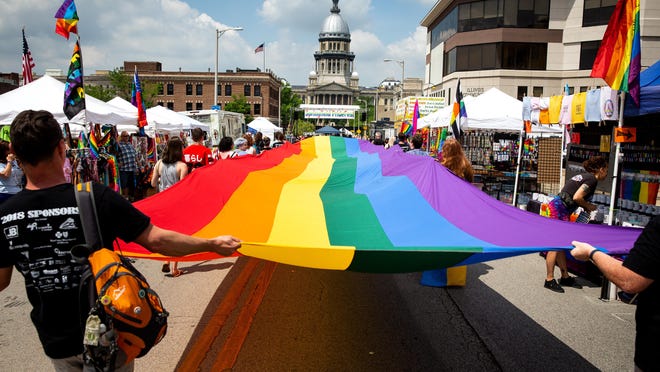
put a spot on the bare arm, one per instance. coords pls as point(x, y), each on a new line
point(578, 198)
point(155, 175)
point(5, 277)
point(182, 169)
point(172, 243)
point(612, 268)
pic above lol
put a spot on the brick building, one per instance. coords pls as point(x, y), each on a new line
point(188, 91)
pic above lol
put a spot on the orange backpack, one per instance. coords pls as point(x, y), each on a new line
point(125, 313)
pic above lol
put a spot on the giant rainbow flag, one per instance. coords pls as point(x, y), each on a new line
point(345, 204)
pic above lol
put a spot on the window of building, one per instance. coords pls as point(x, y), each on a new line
point(161, 89)
point(189, 106)
point(445, 29)
point(522, 92)
point(597, 12)
point(247, 90)
point(160, 103)
point(219, 89)
point(588, 51)
point(228, 90)
point(450, 62)
point(257, 90)
point(487, 14)
point(189, 89)
point(257, 109)
point(199, 106)
point(170, 89)
point(199, 89)
point(170, 105)
point(511, 56)
point(537, 91)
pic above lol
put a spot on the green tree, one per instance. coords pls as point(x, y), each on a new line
point(122, 82)
point(239, 104)
point(289, 103)
point(301, 127)
point(100, 92)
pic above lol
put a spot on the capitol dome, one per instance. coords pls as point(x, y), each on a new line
point(334, 25)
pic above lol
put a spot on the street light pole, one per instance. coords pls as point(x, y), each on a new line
point(401, 63)
point(219, 33)
point(279, 102)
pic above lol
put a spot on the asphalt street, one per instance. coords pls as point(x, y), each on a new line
point(502, 320)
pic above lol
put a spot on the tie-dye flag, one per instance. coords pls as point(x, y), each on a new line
point(74, 93)
point(618, 61)
point(67, 19)
point(459, 114)
point(137, 101)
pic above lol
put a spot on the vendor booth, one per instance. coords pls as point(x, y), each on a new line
point(263, 125)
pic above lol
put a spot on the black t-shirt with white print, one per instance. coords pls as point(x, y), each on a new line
point(39, 227)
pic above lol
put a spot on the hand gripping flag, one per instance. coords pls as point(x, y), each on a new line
point(618, 60)
point(137, 101)
point(67, 19)
point(74, 92)
point(28, 63)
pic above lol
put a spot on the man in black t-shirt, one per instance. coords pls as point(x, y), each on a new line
point(639, 273)
point(41, 223)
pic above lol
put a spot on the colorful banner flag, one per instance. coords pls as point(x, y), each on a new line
point(459, 114)
point(67, 19)
point(260, 48)
point(618, 60)
point(415, 117)
point(74, 92)
point(137, 101)
point(28, 63)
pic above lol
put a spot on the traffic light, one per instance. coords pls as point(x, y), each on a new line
point(363, 116)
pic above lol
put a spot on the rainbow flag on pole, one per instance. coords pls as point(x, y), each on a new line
point(415, 117)
point(137, 101)
point(618, 61)
point(67, 19)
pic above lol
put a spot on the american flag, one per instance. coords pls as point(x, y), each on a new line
point(28, 63)
point(260, 48)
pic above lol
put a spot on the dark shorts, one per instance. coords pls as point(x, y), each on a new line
point(127, 179)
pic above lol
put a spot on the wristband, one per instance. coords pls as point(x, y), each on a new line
point(591, 255)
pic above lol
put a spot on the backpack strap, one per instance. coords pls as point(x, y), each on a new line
point(88, 217)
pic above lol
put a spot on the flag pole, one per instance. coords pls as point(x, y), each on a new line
point(515, 184)
point(615, 171)
point(264, 44)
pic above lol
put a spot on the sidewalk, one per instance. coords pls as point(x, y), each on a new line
point(185, 298)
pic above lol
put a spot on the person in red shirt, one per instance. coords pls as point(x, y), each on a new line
point(197, 155)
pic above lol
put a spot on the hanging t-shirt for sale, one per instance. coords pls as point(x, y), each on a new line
point(609, 109)
point(565, 114)
point(554, 109)
point(578, 106)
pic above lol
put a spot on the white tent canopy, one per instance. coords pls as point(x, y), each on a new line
point(263, 125)
point(492, 110)
point(162, 118)
point(47, 93)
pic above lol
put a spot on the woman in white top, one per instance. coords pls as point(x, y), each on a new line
point(11, 174)
point(169, 170)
